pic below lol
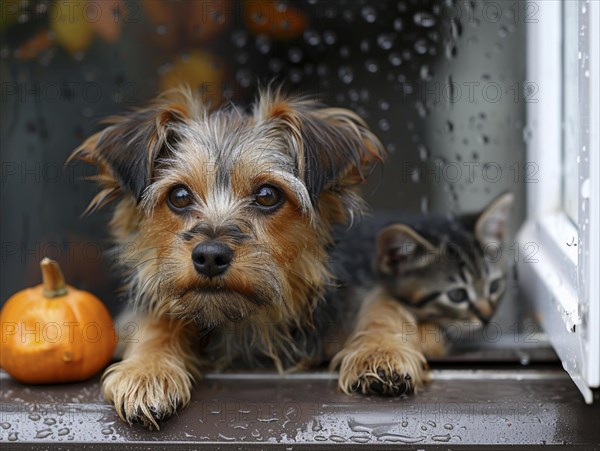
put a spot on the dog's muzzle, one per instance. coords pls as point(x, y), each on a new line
point(212, 258)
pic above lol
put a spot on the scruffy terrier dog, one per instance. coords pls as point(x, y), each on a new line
point(224, 219)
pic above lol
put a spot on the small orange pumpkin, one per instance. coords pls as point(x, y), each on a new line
point(55, 333)
point(274, 20)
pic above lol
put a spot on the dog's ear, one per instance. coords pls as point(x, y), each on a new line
point(126, 151)
point(333, 147)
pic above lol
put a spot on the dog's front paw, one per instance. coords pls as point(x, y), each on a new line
point(147, 391)
point(383, 370)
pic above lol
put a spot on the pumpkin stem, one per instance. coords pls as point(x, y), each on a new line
point(53, 279)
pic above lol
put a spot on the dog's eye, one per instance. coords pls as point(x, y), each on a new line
point(459, 295)
point(267, 197)
point(179, 198)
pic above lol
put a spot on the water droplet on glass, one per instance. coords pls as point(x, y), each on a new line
point(448, 426)
point(63, 431)
point(312, 37)
point(424, 19)
point(371, 66)
point(344, 52)
point(295, 55)
point(329, 37)
point(13, 436)
point(295, 75)
point(239, 38)
point(50, 421)
point(415, 175)
point(456, 28)
point(424, 209)
point(244, 77)
point(423, 152)
point(322, 70)
point(34, 416)
point(369, 14)
point(365, 45)
point(161, 29)
point(449, 126)
point(384, 125)
point(422, 110)
point(383, 105)
point(346, 74)
point(398, 25)
point(421, 46)
point(5, 425)
point(586, 188)
point(450, 50)
point(502, 31)
point(386, 41)
point(263, 43)
point(395, 58)
point(425, 73)
point(275, 65)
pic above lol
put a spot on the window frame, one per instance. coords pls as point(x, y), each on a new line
point(563, 283)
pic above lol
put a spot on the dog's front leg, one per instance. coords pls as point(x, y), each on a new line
point(383, 354)
point(156, 374)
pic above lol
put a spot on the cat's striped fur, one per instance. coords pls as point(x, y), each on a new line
point(420, 273)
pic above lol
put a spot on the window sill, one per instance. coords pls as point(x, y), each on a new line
point(254, 411)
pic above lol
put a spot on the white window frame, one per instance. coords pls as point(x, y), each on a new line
point(563, 282)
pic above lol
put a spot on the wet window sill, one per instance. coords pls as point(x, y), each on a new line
point(461, 407)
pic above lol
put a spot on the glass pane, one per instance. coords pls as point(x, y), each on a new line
point(570, 102)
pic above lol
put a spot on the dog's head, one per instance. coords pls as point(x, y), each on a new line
point(225, 213)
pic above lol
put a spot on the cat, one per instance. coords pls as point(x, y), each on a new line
point(439, 273)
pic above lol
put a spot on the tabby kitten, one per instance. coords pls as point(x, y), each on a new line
point(447, 270)
point(425, 274)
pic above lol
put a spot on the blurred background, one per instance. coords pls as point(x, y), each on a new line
point(442, 83)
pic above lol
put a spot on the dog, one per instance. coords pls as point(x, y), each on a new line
point(224, 220)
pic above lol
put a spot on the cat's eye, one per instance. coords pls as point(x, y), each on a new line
point(267, 197)
point(179, 198)
point(495, 286)
point(458, 295)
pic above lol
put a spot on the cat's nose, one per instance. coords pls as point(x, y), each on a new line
point(212, 258)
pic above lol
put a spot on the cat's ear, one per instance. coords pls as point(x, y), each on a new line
point(398, 246)
point(492, 221)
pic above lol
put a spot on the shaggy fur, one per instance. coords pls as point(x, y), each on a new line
point(269, 305)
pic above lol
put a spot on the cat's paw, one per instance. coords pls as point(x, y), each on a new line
point(147, 392)
point(388, 371)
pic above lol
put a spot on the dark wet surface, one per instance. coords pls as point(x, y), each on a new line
point(460, 407)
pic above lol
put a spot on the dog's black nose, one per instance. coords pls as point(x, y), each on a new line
point(212, 258)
